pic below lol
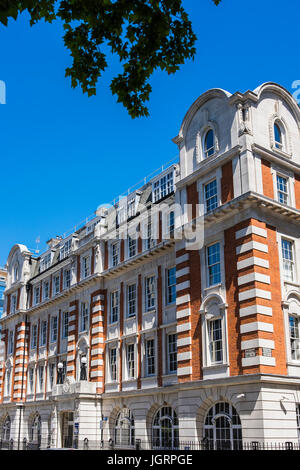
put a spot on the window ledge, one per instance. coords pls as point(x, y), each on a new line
point(133, 317)
point(281, 153)
point(293, 363)
point(290, 283)
point(205, 159)
point(216, 366)
point(149, 312)
point(213, 286)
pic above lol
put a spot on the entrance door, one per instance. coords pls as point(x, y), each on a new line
point(67, 429)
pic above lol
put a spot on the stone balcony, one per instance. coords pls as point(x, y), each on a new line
point(73, 388)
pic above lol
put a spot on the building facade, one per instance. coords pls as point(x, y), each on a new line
point(3, 274)
point(173, 315)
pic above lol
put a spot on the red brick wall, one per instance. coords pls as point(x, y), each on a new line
point(297, 191)
point(267, 180)
point(227, 183)
point(195, 318)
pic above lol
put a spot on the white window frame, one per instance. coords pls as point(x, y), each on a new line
point(53, 328)
point(289, 176)
point(56, 287)
point(163, 185)
point(130, 300)
point(13, 303)
point(293, 261)
point(170, 286)
point(46, 289)
point(85, 266)
point(208, 316)
point(51, 371)
point(201, 184)
point(33, 336)
point(132, 247)
point(171, 352)
point(31, 377)
point(65, 249)
point(10, 346)
point(66, 278)
point(41, 377)
point(45, 262)
point(151, 358)
point(150, 295)
point(8, 379)
point(115, 256)
point(36, 295)
point(43, 333)
point(65, 325)
point(211, 342)
point(170, 226)
point(208, 266)
point(131, 361)
point(131, 207)
point(16, 272)
point(113, 366)
point(216, 195)
point(213, 148)
point(115, 295)
point(295, 338)
point(84, 317)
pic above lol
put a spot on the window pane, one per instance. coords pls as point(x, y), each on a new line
point(171, 285)
point(277, 136)
point(213, 264)
point(288, 260)
point(282, 189)
point(209, 144)
point(211, 197)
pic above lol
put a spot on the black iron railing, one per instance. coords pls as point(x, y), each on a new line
point(139, 444)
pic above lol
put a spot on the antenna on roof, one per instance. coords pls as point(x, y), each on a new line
point(37, 241)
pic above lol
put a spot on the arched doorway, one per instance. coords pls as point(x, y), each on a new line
point(124, 430)
point(35, 432)
point(165, 429)
point(6, 429)
point(222, 428)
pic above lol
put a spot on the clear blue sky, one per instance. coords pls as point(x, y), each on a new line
point(63, 154)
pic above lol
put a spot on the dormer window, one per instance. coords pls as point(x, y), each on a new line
point(209, 143)
point(45, 262)
point(65, 249)
point(131, 208)
point(120, 212)
point(163, 187)
point(278, 141)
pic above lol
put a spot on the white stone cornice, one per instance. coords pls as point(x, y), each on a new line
point(280, 158)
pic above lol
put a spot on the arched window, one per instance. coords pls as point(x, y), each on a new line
point(35, 431)
point(6, 429)
point(124, 428)
point(278, 138)
point(222, 428)
point(16, 272)
point(209, 143)
point(165, 429)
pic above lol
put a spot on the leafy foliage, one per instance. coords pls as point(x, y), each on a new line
point(145, 34)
